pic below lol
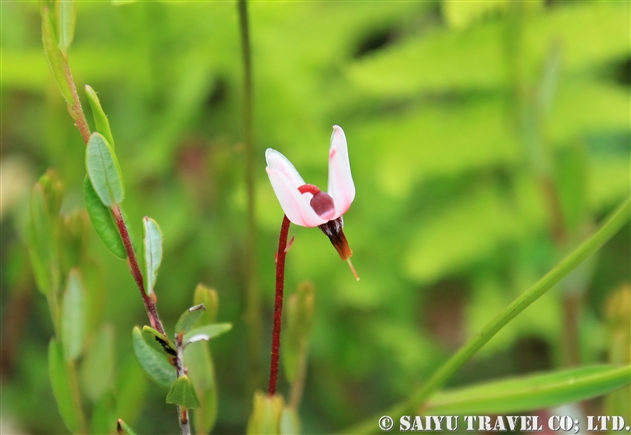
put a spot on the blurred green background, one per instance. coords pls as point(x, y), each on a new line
point(486, 140)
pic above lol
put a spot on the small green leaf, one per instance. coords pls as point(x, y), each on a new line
point(98, 366)
point(159, 342)
point(54, 57)
point(103, 416)
point(61, 384)
point(531, 392)
point(122, 428)
point(208, 297)
point(73, 317)
point(104, 171)
point(206, 332)
point(183, 393)
point(53, 190)
point(41, 236)
point(131, 387)
point(153, 363)
point(100, 119)
point(75, 233)
point(152, 251)
point(103, 221)
point(188, 319)
point(66, 18)
point(202, 374)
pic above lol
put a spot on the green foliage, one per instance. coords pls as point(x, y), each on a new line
point(61, 381)
point(123, 428)
point(100, 118)
point(66, 17)
point(54, 56)
point(104, 172)
point(153, 362)
point(103, 221)
point(442, 104)
point(206, 332)
point(201, 372)
point(151, 252)
point(158, 341)
point(531, 392)
point(183, 393)
point(189, 318)
point(207, 297)
point(97, 370)
point(41, 235)
point(73, 319)
point(299, 314)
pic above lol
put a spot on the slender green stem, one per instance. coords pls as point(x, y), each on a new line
point(588, 248)
point(253, 307)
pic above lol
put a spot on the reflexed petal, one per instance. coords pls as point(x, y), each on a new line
point(279, 162)
point(295, 205)
point(341, 186)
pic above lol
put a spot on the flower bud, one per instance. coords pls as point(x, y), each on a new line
point(266, 414)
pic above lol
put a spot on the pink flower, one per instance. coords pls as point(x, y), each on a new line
point(305, 204)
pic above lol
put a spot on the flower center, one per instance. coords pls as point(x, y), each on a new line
point(322, 203)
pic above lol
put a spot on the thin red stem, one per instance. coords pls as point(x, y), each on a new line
point(150, 305)
point(278, 305)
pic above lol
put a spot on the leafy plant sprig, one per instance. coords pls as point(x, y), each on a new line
point(104, 191)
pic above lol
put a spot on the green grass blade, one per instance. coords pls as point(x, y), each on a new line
point(610, 227)
point(530, 392)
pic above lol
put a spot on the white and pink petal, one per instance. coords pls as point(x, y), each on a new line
point(341, 186)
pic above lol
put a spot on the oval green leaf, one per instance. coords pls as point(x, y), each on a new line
point(54, 57)
point(158, 341)
point(208, 297)
point(98, 366)
point(152, 251)
point(104, 171)
point(153, 363)
point(66, 18)
point(206, 332)
point(103, 221)
point(100, 119)
point(73, 317)
point(189, 318)
point(60, 382)
point(202, 373)
point(531, 392)
point(183, 393)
